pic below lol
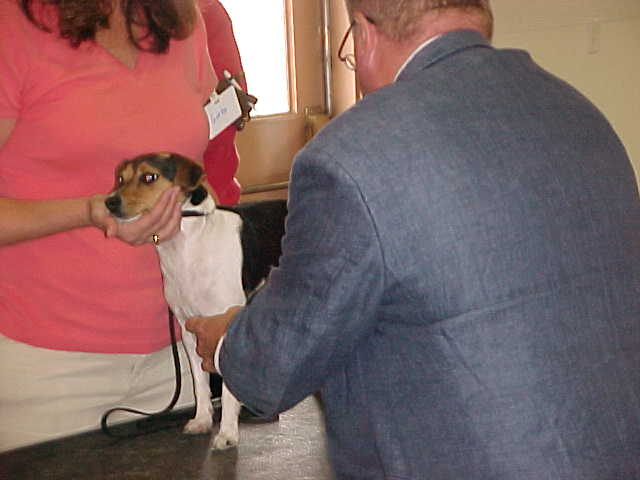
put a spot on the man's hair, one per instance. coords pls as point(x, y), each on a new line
point(400, 18)
point(79, 20)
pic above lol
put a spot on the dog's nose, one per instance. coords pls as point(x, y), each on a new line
point(113, 203)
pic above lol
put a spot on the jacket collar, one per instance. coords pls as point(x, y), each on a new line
point(441, 48)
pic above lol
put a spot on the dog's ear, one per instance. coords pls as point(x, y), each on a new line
point(196, 172)
point(198, 195)
point(188, 173)
point(189, 176)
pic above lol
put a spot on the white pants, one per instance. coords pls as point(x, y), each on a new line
point(47, 394)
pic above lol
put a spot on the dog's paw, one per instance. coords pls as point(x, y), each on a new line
point(196, 426)
point(224, 441)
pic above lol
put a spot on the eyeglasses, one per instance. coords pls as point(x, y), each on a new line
point(349, 59)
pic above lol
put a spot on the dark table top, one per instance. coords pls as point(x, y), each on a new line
point(292, 448)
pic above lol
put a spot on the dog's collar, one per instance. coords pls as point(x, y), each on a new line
point(193, 213)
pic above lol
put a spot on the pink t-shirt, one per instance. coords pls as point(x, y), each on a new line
point(79, 113)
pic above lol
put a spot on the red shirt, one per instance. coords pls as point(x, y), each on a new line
point(221, 157)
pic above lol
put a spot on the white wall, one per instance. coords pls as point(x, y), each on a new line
point(593, 44)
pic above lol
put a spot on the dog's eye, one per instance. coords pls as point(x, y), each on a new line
point(120, 180)
point(148, 178)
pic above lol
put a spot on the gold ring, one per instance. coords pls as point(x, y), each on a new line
point(155, 239)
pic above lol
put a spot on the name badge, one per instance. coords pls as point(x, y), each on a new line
point(222, 110)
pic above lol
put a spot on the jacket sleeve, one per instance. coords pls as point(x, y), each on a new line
point(321, 301)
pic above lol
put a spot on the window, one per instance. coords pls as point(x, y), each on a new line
point(260, 28)
point(281, 45)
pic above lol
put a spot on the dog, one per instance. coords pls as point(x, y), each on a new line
point(220, 255)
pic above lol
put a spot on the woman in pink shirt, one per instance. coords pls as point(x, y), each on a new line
point(83, 322)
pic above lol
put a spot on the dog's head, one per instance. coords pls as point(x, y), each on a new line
point(142, 180)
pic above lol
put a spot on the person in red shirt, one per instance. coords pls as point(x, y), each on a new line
point(221, 156)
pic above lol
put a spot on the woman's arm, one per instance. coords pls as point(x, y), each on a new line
point(22, 220)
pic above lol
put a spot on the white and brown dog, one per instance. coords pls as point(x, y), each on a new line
point(219, 255)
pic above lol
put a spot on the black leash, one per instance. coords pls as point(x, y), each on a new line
point(157, 420)
point(161, 420)
point(193, 213)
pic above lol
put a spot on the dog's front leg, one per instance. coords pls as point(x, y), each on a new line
point(228, 435)
point(203, 421)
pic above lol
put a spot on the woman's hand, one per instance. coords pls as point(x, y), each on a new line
point(162, 221)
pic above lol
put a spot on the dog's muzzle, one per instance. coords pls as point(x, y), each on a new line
point(114, 205)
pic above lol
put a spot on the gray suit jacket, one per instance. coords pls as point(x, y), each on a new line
point(460, 279)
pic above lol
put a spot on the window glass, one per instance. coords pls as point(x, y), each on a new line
point(260, 27)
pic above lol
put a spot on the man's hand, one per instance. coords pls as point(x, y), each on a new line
point(163, 220)
point(209, 331)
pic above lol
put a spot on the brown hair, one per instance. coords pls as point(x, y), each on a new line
point(79, 20)
point(399, 19)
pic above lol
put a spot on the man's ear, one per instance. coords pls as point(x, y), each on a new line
point(366, 36)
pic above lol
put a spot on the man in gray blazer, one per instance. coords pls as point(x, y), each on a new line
point(460, 276)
